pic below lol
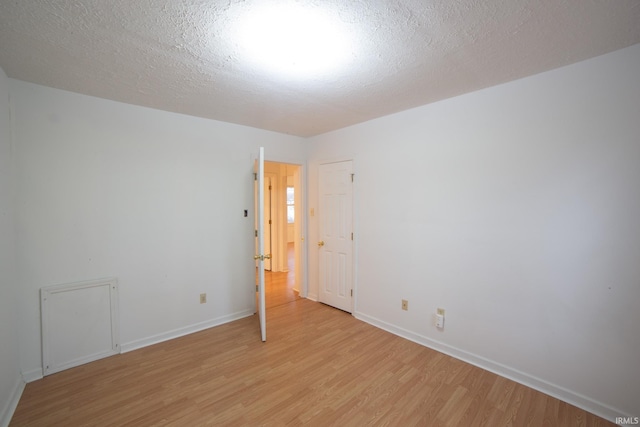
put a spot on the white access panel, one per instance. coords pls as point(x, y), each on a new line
point(79, 323)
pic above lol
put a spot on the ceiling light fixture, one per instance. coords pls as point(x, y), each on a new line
point(292, 41)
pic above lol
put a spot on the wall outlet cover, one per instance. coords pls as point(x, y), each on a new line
point(439, 321)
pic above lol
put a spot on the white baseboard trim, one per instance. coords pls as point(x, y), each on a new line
point(312, 297)
point(176, 333)
point(33, 375)
point(11, 405)
point(576, 399)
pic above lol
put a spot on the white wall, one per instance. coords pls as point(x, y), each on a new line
point(10, 380)
point(153, 198)
point(517, 210)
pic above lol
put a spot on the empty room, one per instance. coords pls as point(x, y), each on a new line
point(408, 212)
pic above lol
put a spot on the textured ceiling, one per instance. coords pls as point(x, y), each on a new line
point(184, 55)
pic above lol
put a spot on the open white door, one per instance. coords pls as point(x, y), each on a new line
point(260, 256)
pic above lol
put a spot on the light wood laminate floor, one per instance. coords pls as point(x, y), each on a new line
point(319, 367)
point(279, 286)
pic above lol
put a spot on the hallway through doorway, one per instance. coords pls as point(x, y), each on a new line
point(279, 286)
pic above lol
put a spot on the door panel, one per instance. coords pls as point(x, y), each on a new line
point(341, 278)
point(336, 227)
point(325, 274)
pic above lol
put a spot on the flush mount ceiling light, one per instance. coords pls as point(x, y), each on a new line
point(294, 41)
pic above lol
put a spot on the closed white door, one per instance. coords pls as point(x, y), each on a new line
point(336, 235)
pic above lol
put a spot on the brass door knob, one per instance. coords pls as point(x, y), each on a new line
point(321, 243)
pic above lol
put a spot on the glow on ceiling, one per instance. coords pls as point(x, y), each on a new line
point(291, 41)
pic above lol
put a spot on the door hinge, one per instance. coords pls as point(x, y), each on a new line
point(351, 236)
point(255, 176)
point(351, 292)
point(269, 187)
point(352, 175)
point(256, 233)
point(269, 222)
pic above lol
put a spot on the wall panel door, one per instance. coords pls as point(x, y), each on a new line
point(79, 323)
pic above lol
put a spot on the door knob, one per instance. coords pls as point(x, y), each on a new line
point(321, 243)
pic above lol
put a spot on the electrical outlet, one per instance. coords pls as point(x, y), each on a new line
point(405, 305)
point(440, 318)
point(203, 298)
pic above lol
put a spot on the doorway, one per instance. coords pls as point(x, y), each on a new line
point(283, 207)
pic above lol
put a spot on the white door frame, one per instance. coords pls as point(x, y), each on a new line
point(268, 225)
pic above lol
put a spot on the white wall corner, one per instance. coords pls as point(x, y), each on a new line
point(11, 405)
point(32, 375)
